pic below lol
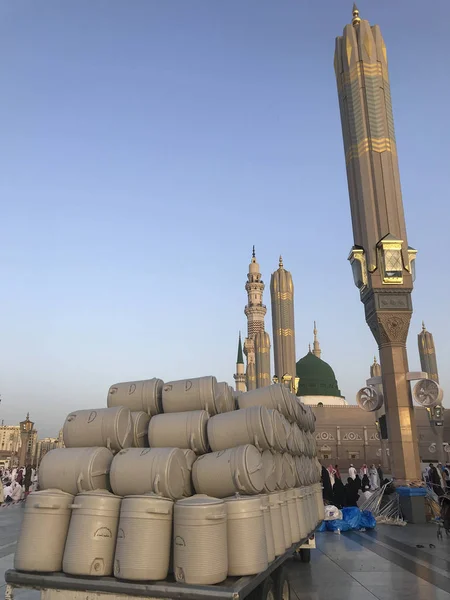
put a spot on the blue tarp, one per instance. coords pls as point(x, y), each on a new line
point(353, 518)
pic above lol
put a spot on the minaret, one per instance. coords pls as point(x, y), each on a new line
point(427, 352)
point(316, 351)
point(282, 296)
point(381, 260)
point(239, 376)
point(255, 312)
point(262, 356)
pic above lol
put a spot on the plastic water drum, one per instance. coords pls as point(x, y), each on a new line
point(191, 457)
point(246, 426)
point(91, 539)
point(145, 395)
point(110, 427)
point(179, 430)
point(279, 472)
point(277, 523)
point(73, 470)
point(200, 554)
point(289, 470)
point(270, 474)
point(291, 498)
point(285, 520)
point(279, 432)
point(40, 547)
point(247, 545)
point(224, 400)
point(143, 538)
point(301, 517)
point(222, 474)
point(162, 471)
point(190, 394)
point(268, 527)
point(140, 422)
point(319, 500)
point(271, 396)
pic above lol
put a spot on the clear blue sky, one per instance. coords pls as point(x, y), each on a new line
point(146, 145)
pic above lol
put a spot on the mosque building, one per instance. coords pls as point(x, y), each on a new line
point(344, 433)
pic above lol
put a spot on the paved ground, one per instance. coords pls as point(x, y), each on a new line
point(384, 564)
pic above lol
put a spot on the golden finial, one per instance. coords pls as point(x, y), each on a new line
point(253, 252)
point(423, 326)
point(28, 416)
point(375, 360)
point(309, 347)
point(315, 331)
point(280, 262)
point(356, 18)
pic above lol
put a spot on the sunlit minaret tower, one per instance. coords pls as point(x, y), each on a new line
point(382, 261)
point(316, 346)
point(282, 298)
point(239, 376)
point(257, 343)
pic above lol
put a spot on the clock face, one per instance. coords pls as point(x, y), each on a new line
point(368, 399)
point(427, 393)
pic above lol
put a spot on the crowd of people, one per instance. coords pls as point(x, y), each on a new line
point(438, 478)
point(17, 483)
point(359, 485)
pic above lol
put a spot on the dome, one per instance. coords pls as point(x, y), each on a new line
point(316, 377)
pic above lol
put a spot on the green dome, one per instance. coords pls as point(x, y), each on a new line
point(316, 377)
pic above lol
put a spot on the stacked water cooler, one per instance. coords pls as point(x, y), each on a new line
point(186, 470)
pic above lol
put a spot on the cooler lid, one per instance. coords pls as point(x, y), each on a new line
point(238, 504)
point(124, 426)
point(200, 500)
point(190, 456)
point(254, 466)
point(177, 472)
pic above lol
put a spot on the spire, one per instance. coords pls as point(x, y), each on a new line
point(253, 252)
point(356, 18)
point(375, 362)
point(28, 416)
point(280, 262)
point(240, 356)
point(317, 351)
point(309, 348)
point(423, 326)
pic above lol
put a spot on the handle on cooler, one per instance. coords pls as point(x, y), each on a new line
point(74, 505)
point(158, 511)
point(237, 481)
point(192, 445)
point(79, 481)
point(215, 517)
point(156, 485)
point(53, 506)
point(256, 443)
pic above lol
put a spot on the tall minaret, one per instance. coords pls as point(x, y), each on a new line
point(282, 296)
point(255, 312)
point(316, 346)
point(381, 259)
point(262, 356)
point(239, 376)
point(427, 352)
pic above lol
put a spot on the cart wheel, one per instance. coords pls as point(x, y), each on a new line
point(265, 591)
point(305, 555)
point(282, 585)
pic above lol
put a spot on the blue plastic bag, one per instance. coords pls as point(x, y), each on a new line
point(352, 516)
point(367, 520)
point(323, 527)
point(337, 524)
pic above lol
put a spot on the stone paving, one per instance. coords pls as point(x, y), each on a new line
point(384, 564)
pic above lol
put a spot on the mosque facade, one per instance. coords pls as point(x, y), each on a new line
point(345, 434)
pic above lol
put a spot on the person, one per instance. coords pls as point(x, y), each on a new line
point(332, 474)
point(326, 483)
point(2, 493)
point(339, 493)
point(358, 482)
point(351, 492)
point(19, 477)
point(27, 479)
point(380, 473)
point(373, 478)
point(7, 492)
point(365, 483)
point(435, 480)
point(352, 472)
point(16, 491)
point(338, 473)
point(363, 471)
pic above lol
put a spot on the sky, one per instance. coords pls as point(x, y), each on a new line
point(145, 147)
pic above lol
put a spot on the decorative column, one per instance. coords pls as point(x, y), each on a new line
point(282, 297)
point(382, 261)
